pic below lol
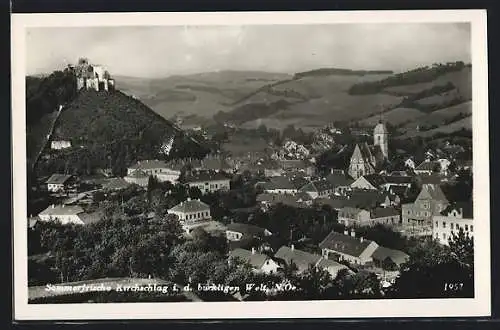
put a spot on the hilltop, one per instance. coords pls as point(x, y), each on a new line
point(106, 130)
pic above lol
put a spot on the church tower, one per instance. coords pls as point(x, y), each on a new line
point(381, 138)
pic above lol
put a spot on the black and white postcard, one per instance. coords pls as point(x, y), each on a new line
point(250, 165)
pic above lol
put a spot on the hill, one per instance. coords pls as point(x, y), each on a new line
point(203, 94)
point(106, 130)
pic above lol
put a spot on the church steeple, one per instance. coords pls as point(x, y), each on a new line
point(381, 137)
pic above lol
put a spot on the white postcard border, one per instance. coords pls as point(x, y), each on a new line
point(478, 306)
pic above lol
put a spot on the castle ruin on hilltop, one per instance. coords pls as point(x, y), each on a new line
point(91, 76)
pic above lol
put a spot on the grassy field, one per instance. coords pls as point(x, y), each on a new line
point(395, 116)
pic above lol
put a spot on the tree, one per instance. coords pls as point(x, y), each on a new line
point(195, 193)
point(432, 267)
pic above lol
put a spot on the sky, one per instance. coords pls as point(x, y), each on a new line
point(161, 51)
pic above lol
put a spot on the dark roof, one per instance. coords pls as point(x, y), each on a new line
point(138, 174)
point(333, 202)
point(317, 186)
point(339, 180)
point(149, 164)
point(427, 165)
point(433, 191)
point(88, 218)
point(115, 184)
point(345, 244)
point(382, 212)
point(462, 207)
point(257, 260)
point(300, 258)
point(294, 163)
point(350, 212)
point(398, 179)
point(193, 205)
point(399, 190)
point(246, 229)
point(375, 180)
point(279, 182)
point(58, 178)
point(365, 198)
point(429, 179)
point(200, 176)
point(382, 253)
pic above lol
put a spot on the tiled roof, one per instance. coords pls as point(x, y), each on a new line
point(375, 180)
point(382, 212)
point(88, 218)
point(138, 174)
point(382, 253)
point(345, 244)
point(55, 210)
point(201, 176)
point(339, 180)
point(349, 212)
point(427, 166)
point(327, 263)
point(293, 163)
point(333, 202)
point(149, 164)
point(300, 258)
point(463, 207)
point(279, 182)
point(398, 179)
point(317, 186)
point(193, 205)
point(115, 184)
point(246, 229)
point(435, 192)
point(58, 178)
point(257, 260)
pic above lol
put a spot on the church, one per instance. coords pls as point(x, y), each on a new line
point(367, 158)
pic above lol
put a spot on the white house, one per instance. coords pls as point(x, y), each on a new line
point(61, 183)
point(150, 167)
point(451, 219)
point(347, 247)
point(208, 181)
point(68, 214)
point(60, 144)
point(238, 231)
point(191, 210)
point(280, 185)
point(260, 263)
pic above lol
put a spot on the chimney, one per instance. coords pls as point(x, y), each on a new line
point(353, 234)
point(53, 206)
point(253, 250)
point(292, 247)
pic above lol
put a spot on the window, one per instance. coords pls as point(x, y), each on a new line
point(437, 224)
point(444, 236)
point(466, 227)
point(451, 226)
point(444, 224)
point(471, 228)
point(437, 236)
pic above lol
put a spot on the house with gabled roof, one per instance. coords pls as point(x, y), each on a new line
point(61, 183)
point(138, 177)
point(369, 182)
point(429, 202)
point(348, 247)
point(260, 263)
point(449, 221)
point(236, 231)
point(280, 185)
point(318, 188)
point(341, 183)
point(428, 167)
point(389, 259)
point(68, 214)
point(208, 181)
point(304, 260)
point(191, 210)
